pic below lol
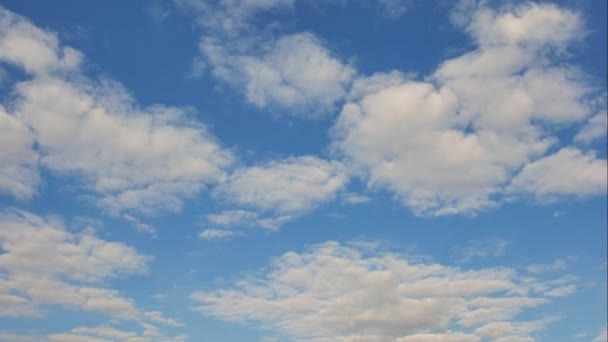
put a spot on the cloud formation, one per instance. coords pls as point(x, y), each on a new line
point(334, 292)
point(276, 192)
point(44, 264)
point(452, 142)
point(128, 158)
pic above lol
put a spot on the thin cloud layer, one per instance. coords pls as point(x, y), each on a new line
point(333, 292)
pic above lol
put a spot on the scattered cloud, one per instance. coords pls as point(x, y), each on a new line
point(332, 292)
point(557, 265)
point(217, 234)
point(353, 198)
point(490, 247)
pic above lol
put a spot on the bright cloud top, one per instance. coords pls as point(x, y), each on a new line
point(333, 292)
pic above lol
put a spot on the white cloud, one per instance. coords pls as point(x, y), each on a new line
point(298, 72)
point(567, 172)
point(44, 264)
point(286, 187)
point(480, 248)
point(127, 157)
point(130, 158)
point(229, 218)
point(216, 234)
point(332, 292)
point(33, 49)
point(451, 144)
point(596, 128)
point(294, 74)
point(18, 159)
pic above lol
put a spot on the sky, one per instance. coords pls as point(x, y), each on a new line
point(303, 170)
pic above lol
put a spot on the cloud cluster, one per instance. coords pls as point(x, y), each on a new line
point(453, 142)
point(334, 292)
point(127, 158)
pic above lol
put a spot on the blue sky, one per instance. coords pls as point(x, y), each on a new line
point(287, 170)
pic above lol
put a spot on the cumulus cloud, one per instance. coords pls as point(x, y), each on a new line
point(128, 158)
point(286, 187)
point(332, 292)
point(568, 172)
point(292, 74)
point(451, 143)
point(33, 49)
point(44, 264)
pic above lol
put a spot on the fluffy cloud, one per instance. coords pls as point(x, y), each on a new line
point(128, 158)
point(333, 292)
point(298, 72)
point(290, 186)
point(44, 264)
point(452, 143)
point(36, 51)
point(567, 172)
point(293, 74)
